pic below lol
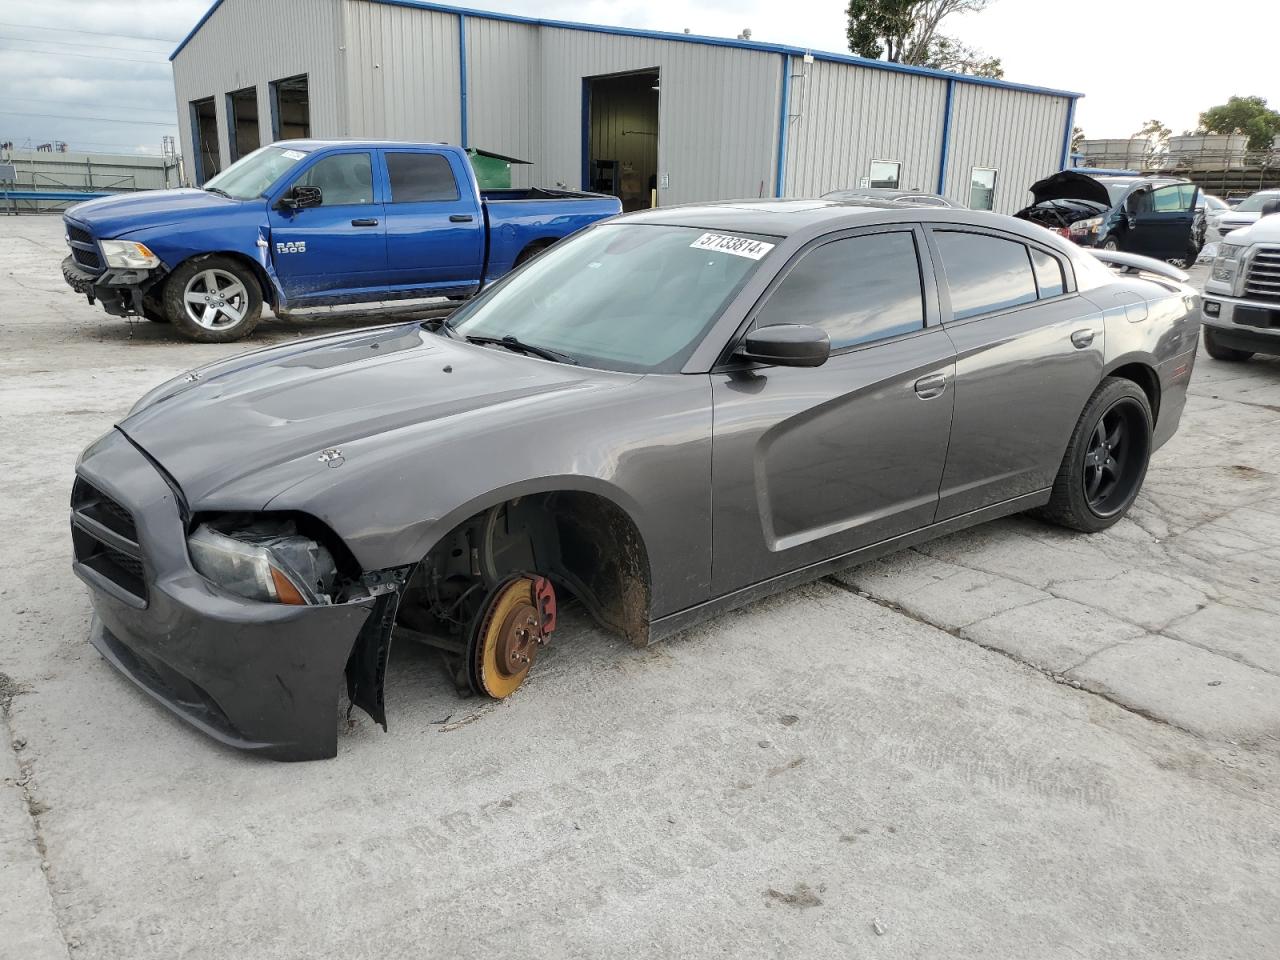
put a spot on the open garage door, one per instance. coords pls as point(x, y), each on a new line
point(621, 137)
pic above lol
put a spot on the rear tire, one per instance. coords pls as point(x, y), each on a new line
point(1220, 352)
point(213, 300)
point(531, 251)
point(1106, 459)
point(1111, 244)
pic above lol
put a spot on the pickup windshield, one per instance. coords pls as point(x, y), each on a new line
point(629, 297)
point(249, 176)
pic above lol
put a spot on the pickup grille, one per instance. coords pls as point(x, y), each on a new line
point(1262, 282)
point(105, 539)
point(84, 249)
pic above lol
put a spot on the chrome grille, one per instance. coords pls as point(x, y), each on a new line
point(105, 539)
point(1262, 281)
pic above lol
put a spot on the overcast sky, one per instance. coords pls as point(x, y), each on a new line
point(1132, 61)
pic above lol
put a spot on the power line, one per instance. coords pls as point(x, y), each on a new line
point(64, 116)
point(88, 56)
point(123, 106)
point(69, 43)
point(92, 33)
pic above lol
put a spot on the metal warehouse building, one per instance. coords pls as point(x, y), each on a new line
point(653, 117)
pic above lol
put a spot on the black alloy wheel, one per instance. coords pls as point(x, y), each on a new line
point(1116, 458)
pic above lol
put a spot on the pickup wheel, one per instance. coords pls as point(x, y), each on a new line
point(1220, 352)
point(153, 310)
point(213, 300)
point(531, 251)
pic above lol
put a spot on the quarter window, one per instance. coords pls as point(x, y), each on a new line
point(856, 289)
point(885, 174)
point(343, 179)
point(1048, 270)
point(421, 178)
point(984, 273)
point(982, 189)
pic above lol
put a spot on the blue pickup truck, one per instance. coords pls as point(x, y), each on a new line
point(305, 223)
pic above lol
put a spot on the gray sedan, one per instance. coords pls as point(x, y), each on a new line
point(665, 416)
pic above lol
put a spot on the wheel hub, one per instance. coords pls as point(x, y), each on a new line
point(517, 641)
point(514, 625)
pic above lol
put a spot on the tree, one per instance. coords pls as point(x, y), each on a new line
point(907, 31)
point(1156, 132)
point(1247, 115)
point(1077, 138)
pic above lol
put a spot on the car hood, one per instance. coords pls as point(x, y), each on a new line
point(253, 425)
point(118, 215)
point(1068, 185)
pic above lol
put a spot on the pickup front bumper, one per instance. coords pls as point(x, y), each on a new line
point(120, 291)
point(1251, 325)
point(261, 677)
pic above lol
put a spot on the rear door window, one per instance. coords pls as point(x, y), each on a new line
point(1048, 271)
point(421, 178)
point(984, 273)
point(857, 289)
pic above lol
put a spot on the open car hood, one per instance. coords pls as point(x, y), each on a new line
point(1067, 185)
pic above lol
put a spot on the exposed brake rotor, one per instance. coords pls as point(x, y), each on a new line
point(516, 623)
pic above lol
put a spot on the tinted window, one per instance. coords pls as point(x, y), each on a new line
point(343, 178)
point(420, 177)
point(856, 289)
point(1173, 199)
point(985, 273)
point(1048, 273)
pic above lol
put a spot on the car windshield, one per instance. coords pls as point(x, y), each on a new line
point(249, 176)
point(1254, 204)
point(1213, 203)
point(622, 296)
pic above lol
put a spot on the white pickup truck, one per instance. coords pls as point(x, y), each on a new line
point(1241, 305)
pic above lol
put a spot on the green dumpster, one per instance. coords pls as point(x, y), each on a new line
point(493, 170)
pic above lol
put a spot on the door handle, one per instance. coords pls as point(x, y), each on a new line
point(931, 386)
point(365, 222)
point(460, 218)
point(1082, 338)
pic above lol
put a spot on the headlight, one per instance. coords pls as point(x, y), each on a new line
point(1227, 262)
point(263, 559)
point(129, 255)
point(1086, 228)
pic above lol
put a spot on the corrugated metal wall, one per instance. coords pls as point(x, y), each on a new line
point(402, 73)
point(238, 48)
point(717, 112)
point(843, 117)
point(504, 95)
point(1018, 134)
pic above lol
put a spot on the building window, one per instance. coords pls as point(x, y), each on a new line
point(242, 122)
point(982, 189)
point(290, 109)
point(204, 133)
point(885, 174)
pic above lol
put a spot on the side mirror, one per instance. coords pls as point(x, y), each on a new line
point(1270, 207)
point(786, 345)
point(301, 197)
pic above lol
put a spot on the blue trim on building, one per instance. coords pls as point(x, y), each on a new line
point(462, 74)
point(692, 38)
point(784, 121)
point(946, 139)
point(1066, 136)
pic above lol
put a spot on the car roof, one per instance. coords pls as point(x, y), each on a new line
point(786, 218)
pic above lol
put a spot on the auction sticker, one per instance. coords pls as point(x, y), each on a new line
point(294, 154)
point(738, 246)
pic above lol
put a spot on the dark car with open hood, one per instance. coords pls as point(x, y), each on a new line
point(661, 418)
point(1152, 216)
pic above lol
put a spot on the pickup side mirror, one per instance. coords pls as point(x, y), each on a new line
point(301, 197)
point(1270, 207)
point(786, 345)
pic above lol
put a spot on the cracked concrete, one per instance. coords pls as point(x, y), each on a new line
point(908, 760)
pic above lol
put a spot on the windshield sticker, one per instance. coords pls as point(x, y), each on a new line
point(294, 154)
point(738, 246)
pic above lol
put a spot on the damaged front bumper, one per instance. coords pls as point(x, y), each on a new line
point(262, 677)
point(120, 291)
